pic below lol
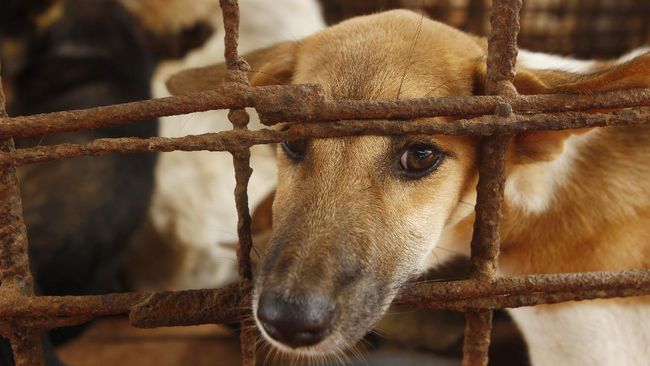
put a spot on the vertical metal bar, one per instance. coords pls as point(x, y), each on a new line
point(502, 47)
point(26, 346)
point(477, 338)
point(15, 276)
point(237, 69)
point(489, 200)
point(502, 55)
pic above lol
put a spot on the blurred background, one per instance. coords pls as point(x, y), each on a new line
point(151, 222)
point(581, 28)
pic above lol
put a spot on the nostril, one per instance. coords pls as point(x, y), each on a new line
point(296, 323)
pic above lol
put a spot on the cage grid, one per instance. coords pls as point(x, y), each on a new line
point(496, 118)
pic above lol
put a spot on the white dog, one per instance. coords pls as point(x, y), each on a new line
point(193, 209)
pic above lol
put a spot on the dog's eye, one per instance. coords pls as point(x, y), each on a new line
point(419, 159)
point(295, 149)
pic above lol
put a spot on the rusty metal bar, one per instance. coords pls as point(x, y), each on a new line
point(192, 307)
point(26, 346)
point(15, 277)
point(502, 56)
point(478, 325)
point(298, 103)
point(502, 47)
point(235, 139)
point(239, 118)
point(317, 110)
point(485, 237)
point(229, 304)
point(214, 305)
point(243, 172)
point(474, 294)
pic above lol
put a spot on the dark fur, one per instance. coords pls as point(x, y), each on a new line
point(81, 213)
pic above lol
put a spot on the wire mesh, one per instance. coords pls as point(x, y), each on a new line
point(23, 315)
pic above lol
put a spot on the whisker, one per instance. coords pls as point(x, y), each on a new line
point(408, 65)
point(467, 203)
point(449, 250)
point(270, 76)
point(269, 352)
point(378, 332)
point(443, 279)
point(40, 141)
point(360, 351)
point(444, 84)
point(436, 255)
point(402, 312)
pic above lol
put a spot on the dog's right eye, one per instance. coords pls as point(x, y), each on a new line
point(419, 159)
point(295, 149)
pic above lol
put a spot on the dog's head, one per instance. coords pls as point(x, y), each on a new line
point(354, 218)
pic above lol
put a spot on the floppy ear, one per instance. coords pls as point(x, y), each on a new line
point(269, 66)
point(604, 76)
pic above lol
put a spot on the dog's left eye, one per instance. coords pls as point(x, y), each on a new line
point(295, 149)
point(419, 159)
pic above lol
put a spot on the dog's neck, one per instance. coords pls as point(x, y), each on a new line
point(584, 210)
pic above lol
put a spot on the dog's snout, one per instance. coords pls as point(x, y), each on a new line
point(298, 322)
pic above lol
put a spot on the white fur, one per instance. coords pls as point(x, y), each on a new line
point(633, 54)
point(193, 203)
point(588, 333)
point(544, 61)
point(532, 187)
point(592, 333)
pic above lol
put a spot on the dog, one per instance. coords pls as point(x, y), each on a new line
point(192, 218)
point(355, 218)
point(80, 213)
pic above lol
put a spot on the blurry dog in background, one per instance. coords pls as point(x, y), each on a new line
point(81, 214)
point(192, 217)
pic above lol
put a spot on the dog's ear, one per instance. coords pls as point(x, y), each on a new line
point(604, 76)
point(268, 66)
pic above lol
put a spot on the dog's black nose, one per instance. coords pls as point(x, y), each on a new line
point(296, 323)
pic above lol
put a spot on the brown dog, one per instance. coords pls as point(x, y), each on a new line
point(355, 218)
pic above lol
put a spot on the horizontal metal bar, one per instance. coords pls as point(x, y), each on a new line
point(223, 97)
point(160, 304)
point(508, 292)
point(298, 103)
point(228, 304)
point(233, 140)
point(457, 106)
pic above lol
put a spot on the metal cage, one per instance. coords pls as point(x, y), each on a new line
point(501, 114)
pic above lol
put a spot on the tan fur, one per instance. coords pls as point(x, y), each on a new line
point(171, 16)
point(342, 212)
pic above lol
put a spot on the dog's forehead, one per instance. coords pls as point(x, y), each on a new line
point(386, 56)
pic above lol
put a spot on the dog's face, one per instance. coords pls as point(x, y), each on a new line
point(354, 218)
